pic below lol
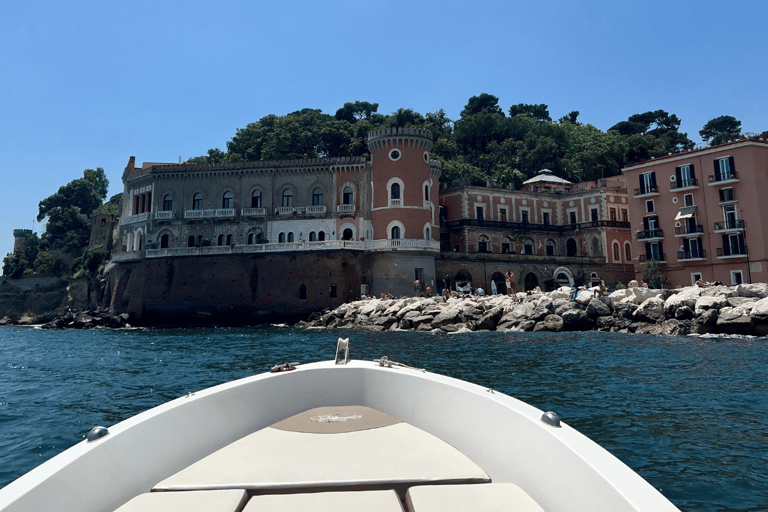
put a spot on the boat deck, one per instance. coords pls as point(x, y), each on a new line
point(334, 458)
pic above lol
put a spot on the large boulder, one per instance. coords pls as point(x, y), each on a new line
point(584, 297)
point(716, 291)
point(605, 323)
point(490, 319)
point(619, 295)
point(643, 294)
point(447, 317)
point(685, 297)
point(651, 310)
point(576, 320)
point(734, 321)
point(704, 303)
point(624, 310)
point(756, 290)
point(597, 308)
point(759, 311)
point(551, 323)
point(565, 306)
point(704, 323)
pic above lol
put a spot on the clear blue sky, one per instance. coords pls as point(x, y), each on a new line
point(88, 84)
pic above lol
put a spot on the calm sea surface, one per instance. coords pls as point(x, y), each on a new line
point(690, 414)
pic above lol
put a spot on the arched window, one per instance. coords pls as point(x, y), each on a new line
point(528, 247)
point(570, 247)
point(197, 201)
point(287, 197)
point(312, 236)
point(348, 196)
point(290, 237)
point(302, 292)
point(395, 232)
point(250, 238)
point(627, 252)
point(394, 191)
point(347, 234)
point(321, 236)
point(427, 234)
point(221, 240)
point(281, 238)
point(551, 247)
point(616, 252)
point(426, 192)
point(229, 239)
point(317, 197)
point(256, 199)
point(164, 241)
point(228, 201)
point(167, 203)
point(191, 241)
point(482, 244)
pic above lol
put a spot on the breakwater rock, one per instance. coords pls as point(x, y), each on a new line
point(741, 309)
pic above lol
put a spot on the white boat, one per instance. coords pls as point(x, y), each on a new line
point(336, 435)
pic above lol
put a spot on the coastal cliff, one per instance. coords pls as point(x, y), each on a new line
point(741, 309)
point(35, 300)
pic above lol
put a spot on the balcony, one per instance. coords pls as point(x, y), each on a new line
point(687, 230)
point(133, 219)
point(345, 208)
point(213, 213)
point(700, 254)
point(732, 252)
point(684, 184)
point(650, 234)
point(729, 225)
point(315, 210)
point(381, 245)
point(724, 178)
point(661, 258)
point(649, 191)
point(394, 202)
point(166, 215)
point(253, 212)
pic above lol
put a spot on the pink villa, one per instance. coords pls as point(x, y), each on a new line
point(699, 213)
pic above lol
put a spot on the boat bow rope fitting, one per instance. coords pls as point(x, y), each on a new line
point(342, 344)
point(386, 363)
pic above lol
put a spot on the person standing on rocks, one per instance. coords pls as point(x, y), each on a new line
point(510, 282)
point(417, 287)
point(447, 282)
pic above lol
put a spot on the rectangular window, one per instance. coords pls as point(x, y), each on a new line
point(528, 248)
point(613, 214)
point(593, 214)
point(573, 217)
point(332, 292)
point(479, 214)
point(729, 216)
point(624, 215)
point(726, 194)
point(653, 251)
point(695, 277)
point(525, 217)
point(545, 218)
point(736, 277)
point(648, 183)
point(725, 169)
point(685, 176)
point(504, 248)
point(503, 214)
point(649, 207)
point(688, 199)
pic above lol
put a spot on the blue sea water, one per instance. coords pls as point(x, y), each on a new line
point(689, 414)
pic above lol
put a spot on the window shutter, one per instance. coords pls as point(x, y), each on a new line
point(661, 252)
point(722, 195)
point(726, 246)
point(645, 223)
point(717, 170)
point(653, 179)
point(642, 185)
point(648, 252)
point(678, 177)
point(693, 174)
point(731, 166)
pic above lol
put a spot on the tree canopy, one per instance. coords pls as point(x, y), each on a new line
point(721, 129)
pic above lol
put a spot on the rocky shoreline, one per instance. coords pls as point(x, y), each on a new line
point(741, 309)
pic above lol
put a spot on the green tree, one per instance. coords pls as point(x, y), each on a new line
point(111, 207)
point(590, 153)
point(721, 129)
point(355, 111)
point(19, 263)
point(485, 103)
point(653, 133)
point(652, 274)
point(570, 118)
point(538, 112)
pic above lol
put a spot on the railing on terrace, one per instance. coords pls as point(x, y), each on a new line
point(731, 251)
point(650, 233)
point(315, 209)
point(373, 245)
point(729, 224)
point(691, 255)
point(527, 226)
point(394, 202)
point(126, 256)
point(132, 219)
point(691, 182)
point(345, 208)
point(724, 176)
point(283, 210)
point(211, 213)
point(165, 215)
point(686, 229)
point(661, 258)
point(249, 212)
point(256, 248)
point(653, 189)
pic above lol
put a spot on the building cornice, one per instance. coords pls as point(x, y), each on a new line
point(687, 155)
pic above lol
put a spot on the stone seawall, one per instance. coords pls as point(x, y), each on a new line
point(741, 309)
point(35, 300)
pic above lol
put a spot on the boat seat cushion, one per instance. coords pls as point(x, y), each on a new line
point(189, 501)
point(352, 501)
point(496, 497)
point(374, 457)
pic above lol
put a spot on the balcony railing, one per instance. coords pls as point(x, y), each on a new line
point(527, 226)
point(691, 255)
point(661, 258)
point(686, 229)
point(377, 245)
point(126, 256)
point(728, 177)
point(729, 225)
point(165, 215)
point(253, 212)
point(315, 209)
point(650, 233)
point(394, 202)
point(132, 219)
point(689, 183)
point(211, 213)
point(642, 191)
point(731, 251)
point(345, 208)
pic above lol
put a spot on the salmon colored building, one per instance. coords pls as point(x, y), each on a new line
point(702, 213)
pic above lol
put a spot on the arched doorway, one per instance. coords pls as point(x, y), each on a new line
point(498, 279)
point(531, 281)
point(570, 247)
point(164, 241)
point(463, 281)
point(347, 234)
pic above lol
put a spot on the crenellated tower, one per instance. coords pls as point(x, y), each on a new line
point(403, 184)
